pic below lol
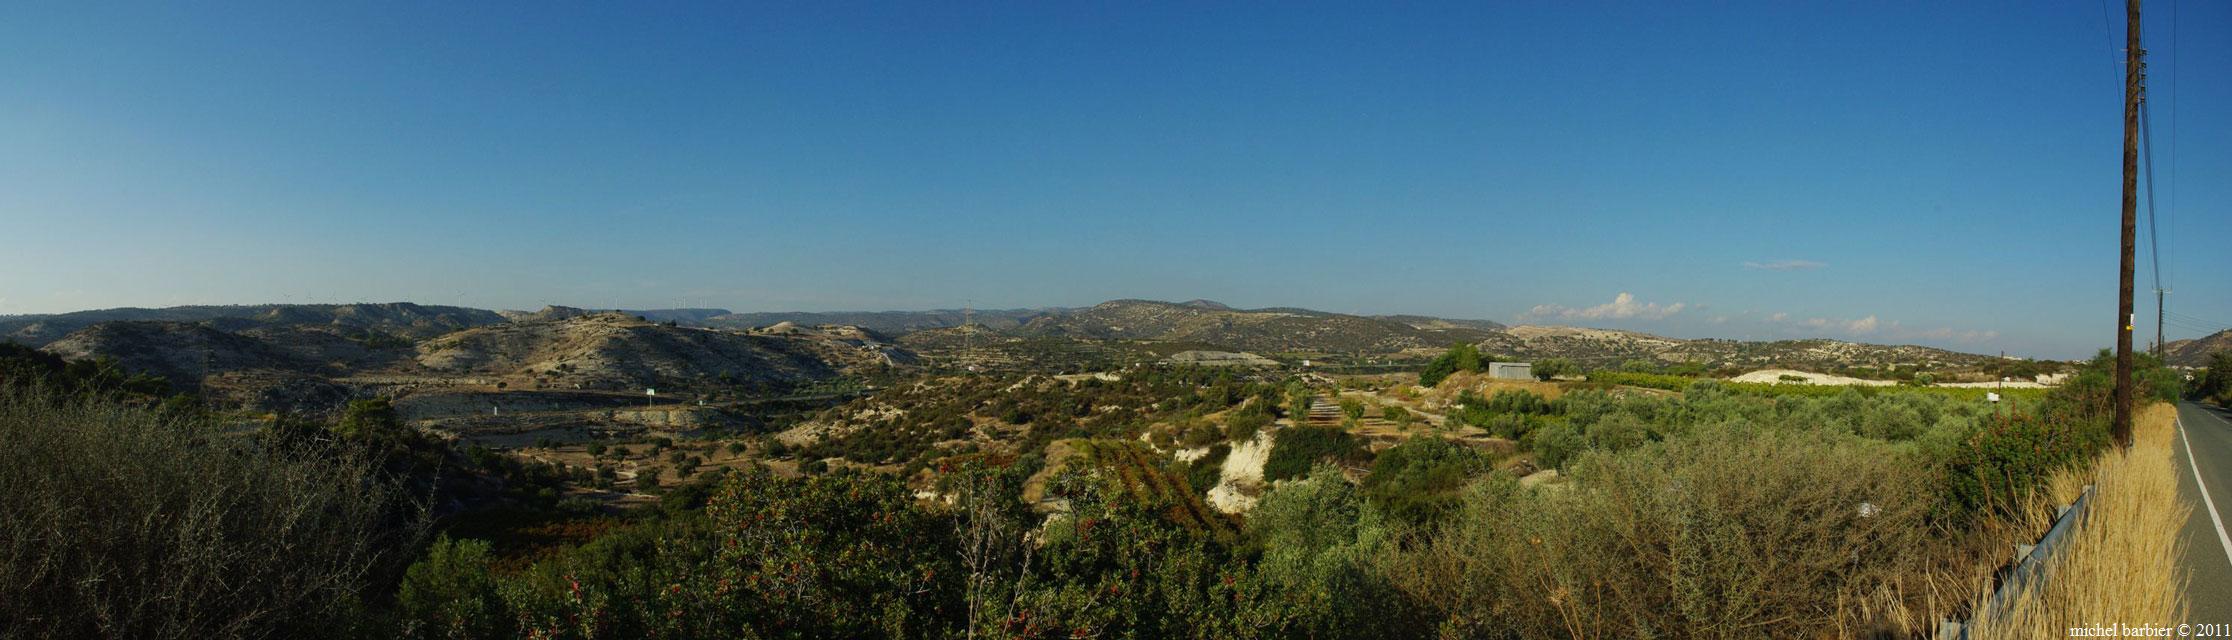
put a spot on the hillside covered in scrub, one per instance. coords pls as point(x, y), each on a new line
point(1148, 502)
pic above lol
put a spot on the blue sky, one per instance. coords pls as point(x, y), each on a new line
point(1935, 173)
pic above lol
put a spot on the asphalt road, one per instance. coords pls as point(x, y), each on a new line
point(2208, 430)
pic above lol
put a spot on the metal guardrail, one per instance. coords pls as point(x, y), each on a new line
point(2029, 567)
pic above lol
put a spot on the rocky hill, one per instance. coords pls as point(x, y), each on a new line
point(885, 322)
point(1258, 330)
point(402, 319)
point(619, 351)
point(1441, 324)
point(2195, 352)
point(182, 352)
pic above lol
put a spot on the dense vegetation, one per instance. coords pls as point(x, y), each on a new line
point(915, 425)
point(1716, 510)
point(128, 522)
point(2215, 383)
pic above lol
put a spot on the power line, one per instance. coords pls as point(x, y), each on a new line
point(2198, 325)
point(2188, 316)
point(2154, 245)
point(2177, 61)
point(2191, 320)
point(2115, 59)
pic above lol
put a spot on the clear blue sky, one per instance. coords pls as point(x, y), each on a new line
point(1922, 172)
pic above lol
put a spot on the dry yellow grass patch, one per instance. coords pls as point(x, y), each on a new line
point(2121, 562)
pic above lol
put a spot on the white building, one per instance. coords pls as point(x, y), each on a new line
point(1511, 370)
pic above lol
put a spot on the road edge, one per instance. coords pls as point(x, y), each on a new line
point(2206, 501)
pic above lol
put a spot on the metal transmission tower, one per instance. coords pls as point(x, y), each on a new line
point(2135, 71)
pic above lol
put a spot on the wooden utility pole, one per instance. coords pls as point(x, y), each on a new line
point(2159, 350)
point(2134, 90)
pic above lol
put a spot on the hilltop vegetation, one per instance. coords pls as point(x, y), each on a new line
point(397, 318)
point(1262, 330)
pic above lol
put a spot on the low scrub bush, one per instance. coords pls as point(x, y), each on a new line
point(124, 524)
point(1723, 533)
point(1416, 483)
point(1299, 448)
point(1242, 426)
point(2009, 456)
point(1645, 380)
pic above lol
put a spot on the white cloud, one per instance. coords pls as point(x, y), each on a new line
point(1622, 307)
point(1882, 329)
point(1785, 265)
point(1863, 325)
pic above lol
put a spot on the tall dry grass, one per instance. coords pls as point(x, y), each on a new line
point(121, 522)
point(2121, 562)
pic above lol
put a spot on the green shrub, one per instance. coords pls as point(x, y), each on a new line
point(1618, 432)
point(1299, 448)
point(1642, 379)
point(1319, 539)
point(1352, 408)
point(1463, 357)
point(1298, 399)
point(1242, 427)
point(2010, 456)
point(1416, 482)
point(1549, 368)
point(1519, 401)
point(451, 593)
point(2215, 383)
point(1400, 416)
point(1556, 444)
point(1195, 434)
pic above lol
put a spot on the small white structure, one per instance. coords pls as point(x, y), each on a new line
point(1511, 370)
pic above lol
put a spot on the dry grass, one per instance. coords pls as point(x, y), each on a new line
point(121, 522)
point(2121, 565)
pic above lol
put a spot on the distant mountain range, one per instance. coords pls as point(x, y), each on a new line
point(565, 346)
point(402, 319)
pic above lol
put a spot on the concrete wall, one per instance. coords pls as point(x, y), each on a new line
point(1511, 370)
